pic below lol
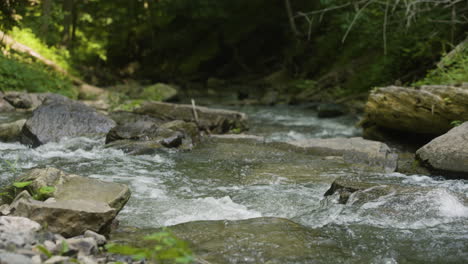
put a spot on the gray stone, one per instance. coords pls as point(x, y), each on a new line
point(10, 132)
point(31, 101)
point(214, 120)
point(84, 259)
point(448, 153)
point(238, 138)
point(68, 217)
point(5, 209)
point(84, 245)
point(17, 232)
point(74, 187)
point(100, 239)
point(13, 258)
point(353, 150)
point(56, 120)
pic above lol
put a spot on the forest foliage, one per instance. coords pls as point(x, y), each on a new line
point(350, 44)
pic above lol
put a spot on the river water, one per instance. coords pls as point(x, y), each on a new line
point(420, 220)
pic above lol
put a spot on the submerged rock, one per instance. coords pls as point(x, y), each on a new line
point(257, 240)
point(353, 150)
point(55, 120)
point(10, 132)
point(213, 120)
point(344, 188)
point(448, 153)
point(424, 110)
point(76, 203)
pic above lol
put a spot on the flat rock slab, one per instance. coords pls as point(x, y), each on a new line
point(56, 120)
point(353, 150)
point(215, 120)
point(448, 153)
point(74, 187)
point(67, 217)
point(423, 110)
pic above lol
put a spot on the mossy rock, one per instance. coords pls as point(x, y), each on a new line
point(159, 92)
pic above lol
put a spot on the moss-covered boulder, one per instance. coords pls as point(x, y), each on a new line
point(159, 92)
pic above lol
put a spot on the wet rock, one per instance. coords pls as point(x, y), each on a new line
point(13, 258)
point(258, 240)
point(74, 187)
point(10, 132)
point(56, 120)
point(133, 147)
point(188, 128)
point(448, 153)
point(424, 110)
point(353, 150)
point(408, 164)
point(214, 120)
point(330, 110)
point(344, 188)
point(68, 217)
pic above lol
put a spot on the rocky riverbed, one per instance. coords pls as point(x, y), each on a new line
point(302, 189)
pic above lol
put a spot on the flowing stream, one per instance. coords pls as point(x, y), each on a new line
point(420, 220)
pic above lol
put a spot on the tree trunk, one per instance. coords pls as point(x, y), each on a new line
point(67, 21)
point(292, 23)
point(46, 12)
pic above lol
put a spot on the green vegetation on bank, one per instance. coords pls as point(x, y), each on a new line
point(20, 73)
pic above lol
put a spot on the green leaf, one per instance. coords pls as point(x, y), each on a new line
point(47, 190)
point(44, 251)
point(20, 185)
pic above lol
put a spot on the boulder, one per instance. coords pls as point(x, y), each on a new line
point(68, 217)
point(10, 132)
point(74, 187)
point(159, 92)
point(124, 117)
point(134, 147)
point(217, 121)
point(173, 134)
point(76, 203)
point(327, 110)
point(423, 110)
point(55, 120)
point(353, 150)
point(448, 153)
point(345, 187)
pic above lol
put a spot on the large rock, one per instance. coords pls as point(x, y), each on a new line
point(258, 240)
point(424, 110)
point(11, 131)
point(68, 217)
point(76, 204)
point(214, 120)
point(74, 187)
point(55, 120)
point(448, 153)
point(353, 150)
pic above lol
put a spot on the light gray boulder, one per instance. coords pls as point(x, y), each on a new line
point(447, 153)
point(10, 132)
